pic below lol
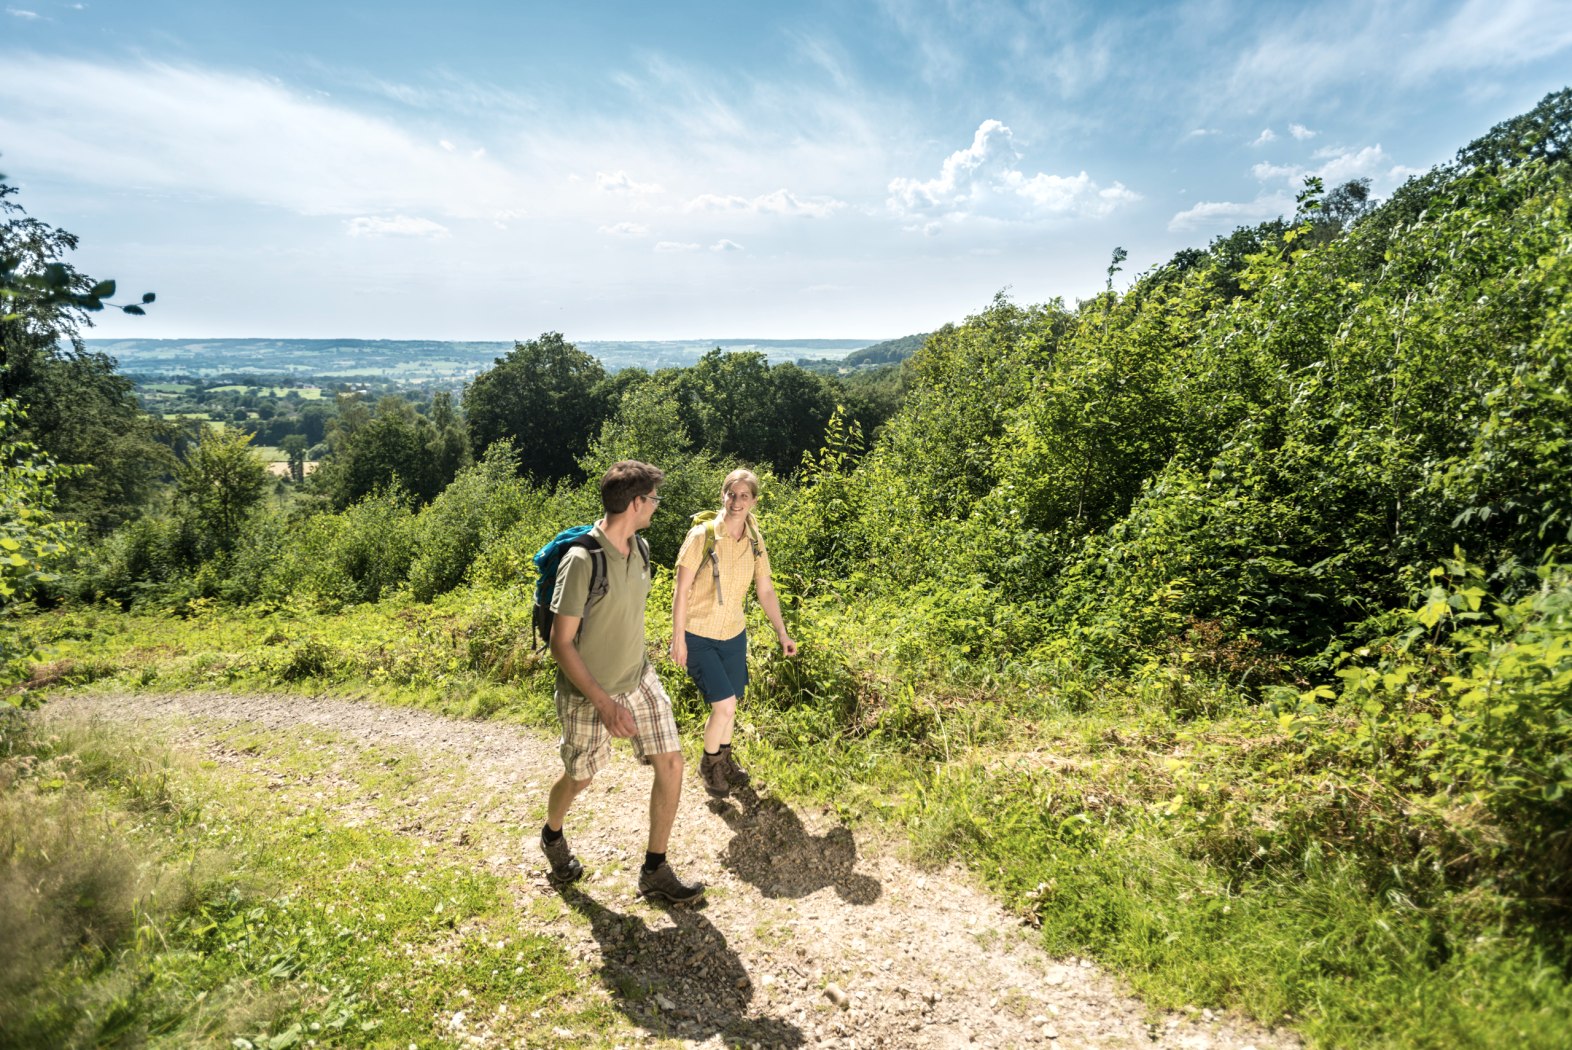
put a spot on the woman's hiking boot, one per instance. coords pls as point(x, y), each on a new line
point(565, 867)
point(736, 776)
point(663, 884)
point(714, 772)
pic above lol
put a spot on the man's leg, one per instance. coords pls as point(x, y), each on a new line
point(665, 792)
point(584, 748)
point(563, 792)
point(657, 880)
point(565, 867)
point(658, 745)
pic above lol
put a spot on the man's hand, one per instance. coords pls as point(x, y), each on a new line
point(617, 719)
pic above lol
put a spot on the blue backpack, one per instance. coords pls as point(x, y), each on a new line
point(547, 560)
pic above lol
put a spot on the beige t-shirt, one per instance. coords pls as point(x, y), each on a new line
point(612, 639)
point(724, 619)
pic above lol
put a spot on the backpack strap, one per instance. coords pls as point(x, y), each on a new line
point(599, 583)
point(712, 534)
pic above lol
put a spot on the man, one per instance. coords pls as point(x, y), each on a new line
point(605, 686)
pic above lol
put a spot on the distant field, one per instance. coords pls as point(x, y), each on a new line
point(418, 361)
point(305, 393)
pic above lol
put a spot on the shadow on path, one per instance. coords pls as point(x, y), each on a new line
point(681, 980)
point(773, 851)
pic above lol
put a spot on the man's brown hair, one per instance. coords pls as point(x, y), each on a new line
point(625, 481)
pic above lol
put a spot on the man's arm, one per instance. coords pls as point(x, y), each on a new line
point(616, 718)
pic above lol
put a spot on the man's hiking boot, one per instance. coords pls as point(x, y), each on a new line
point(736, 776)
point(663, 884)
point(565, 867)
point(713, 772)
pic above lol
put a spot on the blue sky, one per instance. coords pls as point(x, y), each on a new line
point(493, 170)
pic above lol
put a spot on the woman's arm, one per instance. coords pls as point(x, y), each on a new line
point(772, 608)
point(679, 616)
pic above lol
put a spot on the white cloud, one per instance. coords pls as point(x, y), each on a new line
point(1220, 215)
point(192, 131)
point(1201, 133)
point(1406, 44)
point(397, 226)
point(1339, 165)
point(1267, 135)
point(622, 182)
point(1344, 164)
point(1484, 34)
point(724, 245)
point(985, 180)
point(1271, 172)
point(626, 229)
point(446, 145)
point(780, 202)
point(676, 246)
point(1300, 132)
point(28, 16)
point(1071, 194)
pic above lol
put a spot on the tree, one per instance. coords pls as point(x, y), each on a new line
point(295, 448)
point(373, 451)
point(76, 408)
point(32, 540)
point(448, 446)
point(546, 396)
point(1543, 132)
point(219, 484)
point(1347, 202)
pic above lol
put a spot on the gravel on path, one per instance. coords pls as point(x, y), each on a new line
point(812, 935)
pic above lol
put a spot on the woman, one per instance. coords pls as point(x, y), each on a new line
point(721, 555)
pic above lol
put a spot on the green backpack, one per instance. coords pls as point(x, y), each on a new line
point(712, 521)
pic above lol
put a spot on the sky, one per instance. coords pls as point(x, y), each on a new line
point(680, 170)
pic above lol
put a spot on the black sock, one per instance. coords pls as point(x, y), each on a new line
point(712, 754)
point(547, 835)
point(653, 860)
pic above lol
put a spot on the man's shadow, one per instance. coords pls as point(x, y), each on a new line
point(773, 851)
point(679, 981)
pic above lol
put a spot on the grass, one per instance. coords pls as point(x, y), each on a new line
point(1057, 787)
point(159, 901)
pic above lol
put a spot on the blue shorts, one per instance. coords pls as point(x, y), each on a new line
point(719, 669)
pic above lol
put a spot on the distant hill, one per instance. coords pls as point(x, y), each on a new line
point(889, 352)
point(418, 361)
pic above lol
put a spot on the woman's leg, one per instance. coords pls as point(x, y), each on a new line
point(717, 731)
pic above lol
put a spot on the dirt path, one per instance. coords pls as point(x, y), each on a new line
point(811, 936)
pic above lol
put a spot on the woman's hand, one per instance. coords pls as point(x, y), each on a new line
point(679, 651)
point(788, 646)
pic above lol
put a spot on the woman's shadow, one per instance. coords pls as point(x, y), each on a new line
point(681, 980)
point(773, 851)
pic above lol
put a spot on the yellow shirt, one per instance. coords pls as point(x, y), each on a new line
point(722, 619)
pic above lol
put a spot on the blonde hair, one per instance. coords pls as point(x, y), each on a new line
point(741, 474)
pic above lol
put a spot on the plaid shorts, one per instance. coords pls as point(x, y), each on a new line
point(586, 745)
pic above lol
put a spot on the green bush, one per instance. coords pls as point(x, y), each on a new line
point(355, 556)
point(472, 514)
